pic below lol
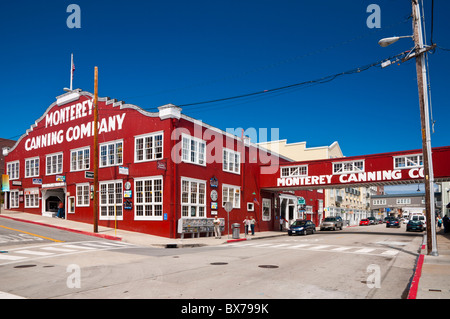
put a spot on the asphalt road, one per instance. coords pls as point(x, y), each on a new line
point(372, 262)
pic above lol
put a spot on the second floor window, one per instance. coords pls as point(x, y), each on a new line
point(54, 164)
point(32, 167)
point(111, 154)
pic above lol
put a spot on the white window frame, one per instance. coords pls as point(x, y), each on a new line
point(379, 202)
point(231, 161)
point(294, 171)
point(348, 167)
point(266, 203)
point(31, 169)
point(14, 199)
point(77, 163)
point(148, 198)
point(57, 165)
point(149, 153)
point(31, 197)
point(13, 170)
point(108, 203)
point(408, 161)
point(193, 206)
point(111, 154)
point(82, 195)
point(193, 150)
point(229, 195)
point(403, 201)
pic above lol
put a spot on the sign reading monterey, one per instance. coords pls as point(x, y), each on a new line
point(68, 114)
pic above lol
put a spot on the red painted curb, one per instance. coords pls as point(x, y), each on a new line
point(109, 237)
point(233, 240)
point(415, 281)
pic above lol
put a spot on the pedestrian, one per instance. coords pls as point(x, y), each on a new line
point(60, 213)
point(246, 223)
point(439, 222)
point(216, 222)
point(252, 224)
point(445, 221)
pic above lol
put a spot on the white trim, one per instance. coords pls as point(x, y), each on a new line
point(107, 216)
point(152, 135)
point(189, 204)
point(25, 168)
point(197, 158)
point(116, 163)
point(406, 161)
point(76, 194)
point(62, 163)
point(8, 170)
point(152, 203)
point(235, 189)
point(234, 153)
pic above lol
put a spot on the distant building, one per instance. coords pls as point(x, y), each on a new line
point(398, 205)
point(4, 143)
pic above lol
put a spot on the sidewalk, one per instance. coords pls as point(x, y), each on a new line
point(129, 236)
point(431, 279)
point(433, 272)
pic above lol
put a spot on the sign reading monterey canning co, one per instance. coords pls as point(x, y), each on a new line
point(376, 176)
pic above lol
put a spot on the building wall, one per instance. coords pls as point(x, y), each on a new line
point(162, 189)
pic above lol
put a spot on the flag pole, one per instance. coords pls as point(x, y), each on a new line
point(71, 71)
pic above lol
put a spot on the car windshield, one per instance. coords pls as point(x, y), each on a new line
point(330, 219)
point(299, 223)
point(415, 222)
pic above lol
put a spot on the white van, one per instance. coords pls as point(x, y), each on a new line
point(418, 216)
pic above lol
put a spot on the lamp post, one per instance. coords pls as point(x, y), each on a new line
point(420, 51)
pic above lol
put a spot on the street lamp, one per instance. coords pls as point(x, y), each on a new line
point(388, 41)
point(419, 54)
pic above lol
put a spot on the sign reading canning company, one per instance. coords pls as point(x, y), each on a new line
point(67, 114)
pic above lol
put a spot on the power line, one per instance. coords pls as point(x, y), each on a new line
point(322, 80)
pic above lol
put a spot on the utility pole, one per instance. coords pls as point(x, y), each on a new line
point(96, 151)
point(425, 126)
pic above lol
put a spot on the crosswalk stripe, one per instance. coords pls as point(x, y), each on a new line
point(32, 252)
point(10, 257)
point(58, 249)
point(299, 246)
point(79, 247)
point(341, 248)
point(364, 250)
point(319, 247)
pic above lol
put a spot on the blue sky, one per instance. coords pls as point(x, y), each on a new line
point(151, 53)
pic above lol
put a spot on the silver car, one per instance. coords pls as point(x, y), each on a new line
point(332, 223)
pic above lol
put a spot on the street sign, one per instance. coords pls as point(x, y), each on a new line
point(88, 174)
point(228, 206)
point(301, 201)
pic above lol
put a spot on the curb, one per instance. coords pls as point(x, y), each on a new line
point(104, 236)
point(415, 280)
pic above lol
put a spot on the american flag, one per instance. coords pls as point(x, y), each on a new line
point(256, 201)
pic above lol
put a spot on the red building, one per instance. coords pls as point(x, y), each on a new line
point(160, 173)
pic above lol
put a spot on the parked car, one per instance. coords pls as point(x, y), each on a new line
point(332, 223)
point(414, 225)
point(302, 227)
point(393, 222)
point(372, 220)
point(364, 222)
point(420, 217)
